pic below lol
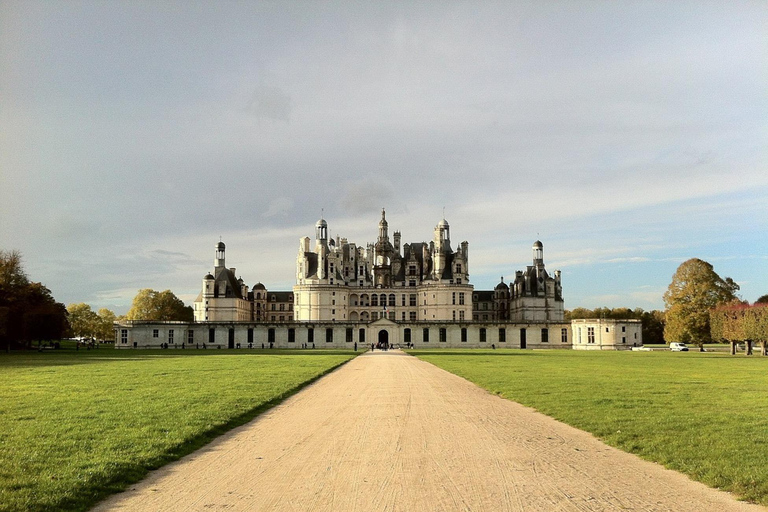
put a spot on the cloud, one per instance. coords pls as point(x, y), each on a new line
point(269, 102)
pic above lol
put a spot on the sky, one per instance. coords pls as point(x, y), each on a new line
point(627, 136)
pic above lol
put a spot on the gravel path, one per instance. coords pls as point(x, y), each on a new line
point(390, 432)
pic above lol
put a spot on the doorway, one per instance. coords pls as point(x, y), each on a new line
point(383, 340)
point(522, 338)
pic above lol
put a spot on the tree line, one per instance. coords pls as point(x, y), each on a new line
point(28, 311)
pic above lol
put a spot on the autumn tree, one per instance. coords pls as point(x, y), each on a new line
point(106, 327)
point(159, 306)
point(83, 321)
point(762, 300)
point(695, 289)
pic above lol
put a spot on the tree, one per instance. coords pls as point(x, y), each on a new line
point(83, 321)
point(695, 289)
point(28, 310)
point(106, 328)
point(159, 306)
point(762, 300)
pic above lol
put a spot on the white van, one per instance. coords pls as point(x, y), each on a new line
point(678, 347)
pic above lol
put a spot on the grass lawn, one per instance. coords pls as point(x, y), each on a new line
point(703, 414)
point(77, 426)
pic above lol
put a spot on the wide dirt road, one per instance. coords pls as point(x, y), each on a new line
point(390, 432)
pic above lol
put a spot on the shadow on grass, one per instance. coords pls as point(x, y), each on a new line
point(32, 358)
point(85, 496)
point(464, 352)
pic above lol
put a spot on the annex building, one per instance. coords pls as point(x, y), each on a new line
point(384, 293)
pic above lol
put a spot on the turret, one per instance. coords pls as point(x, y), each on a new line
point(538, 253)
point(396, 239)
point(208, 283)
point(218, 261)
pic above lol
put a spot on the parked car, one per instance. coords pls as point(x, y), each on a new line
point(678, 347)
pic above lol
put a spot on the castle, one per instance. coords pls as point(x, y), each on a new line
point(382, 293)
point(337, 280)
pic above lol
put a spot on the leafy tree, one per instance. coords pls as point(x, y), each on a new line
point(160, 306)
point(83, 321)
point(695, 289)
point(106, 328)
point(762, 300)
point(27, 310)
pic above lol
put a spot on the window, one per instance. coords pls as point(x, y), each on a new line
point(374, 316)
point(564, 335)
point(482, 334)
point(502, 335)
point(311, 335)
point(606, 329)
point(411, 282)
point(461, 298)
point(463, 334)
point(425, 335)
point(273, 307)
point(458, 269)
point(412, 316)
point(282, 318)
point(271, 335)
point(454, 315)
point(443, 335)
point(453, 298)
point(155, 333)
point(402, 301)
point(623, 328)
point(329, 335)
point(124, 335)
point(545, 335)
point(407, 335)
point(392, 299)
point(361, 335)
point(461, 315)
point(590, 334)
point(291, 335)
point(282, 307)
point(349, 335)
point(374, 300)
point(402, 316)
point(250, 335)
point(212, 335)
point(170, 335)
point(412, 299)
point(623, 339)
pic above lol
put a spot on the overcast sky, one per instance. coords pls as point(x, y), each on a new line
point(626, 136)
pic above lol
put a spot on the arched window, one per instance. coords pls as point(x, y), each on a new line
point(383, 299)
point(392, 299)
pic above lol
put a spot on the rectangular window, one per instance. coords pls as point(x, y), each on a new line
point(425, 335)
point(374, 316)
point(502, 335)
point(329, 335)
point(349, 335)
point(443, 335)
point(211, 335)
point(623, 328)
point(545, 335)
point(412, 282)
point(453, 298)
point(124, 335)
point(402, 316)
point(291, 335)
point(402, 301)
point(461, 298)
point(463, 334)
point(623, 339)
point(361, 335)
point(407, 335)
point(461, 315)
point(412, 299)
point(412, 316)
point(482, 334)
point(590, 334)
point(155, 333)
point(454, 315)
point(564, 335)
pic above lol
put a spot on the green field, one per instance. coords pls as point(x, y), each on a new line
point(77, 426)
point(702, 414)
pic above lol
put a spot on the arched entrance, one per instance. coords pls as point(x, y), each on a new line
point(383, 340)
